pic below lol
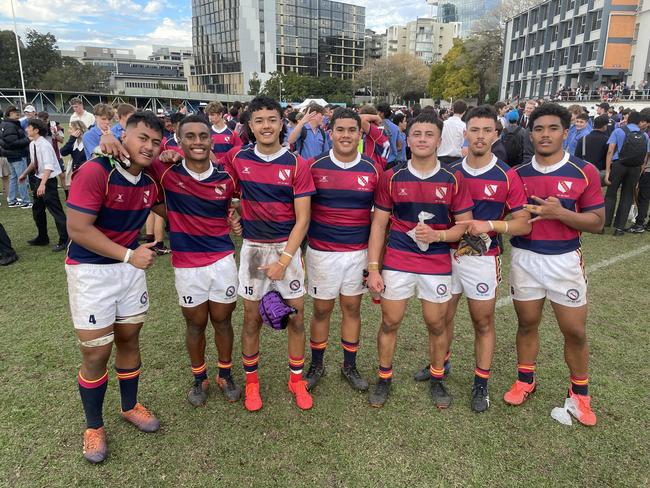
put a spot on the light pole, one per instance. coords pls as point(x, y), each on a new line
point(20, 61)
point(280, 91)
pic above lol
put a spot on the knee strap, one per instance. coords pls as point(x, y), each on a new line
point(133, 319)
point(100, 341)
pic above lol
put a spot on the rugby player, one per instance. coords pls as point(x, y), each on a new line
point(338, 243)
point(197, 200)
point(223, 138)
point(428, 198)
point(565, 199)
point(108, 205)
point(276, 188)
point(496, 191)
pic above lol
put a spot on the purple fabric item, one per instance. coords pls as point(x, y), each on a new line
point(274, 311)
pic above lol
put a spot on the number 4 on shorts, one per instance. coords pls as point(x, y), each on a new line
point(91, 320)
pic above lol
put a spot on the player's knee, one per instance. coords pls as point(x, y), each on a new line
point(194, 329)
point(437, 327)
point(296, 324)
point(525, 327)
point(322, 313)
point(222, 326)
point(389, 325)
point(95, 360)
point(351, 311)
point(576, 336)
point(483, 326)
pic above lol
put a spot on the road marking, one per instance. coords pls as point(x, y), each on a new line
point(502, 302)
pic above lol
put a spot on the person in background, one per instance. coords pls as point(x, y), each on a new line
point(55, 137)
point(308, 138)
point(30, 113)
point(124, 111)
point(582, 129)
point(7, 253)
point(498, 148)
point(593, 147)
point(79, 113)
point(390, 130)
point(15, 145)
point(74, 148)
point(400, 121)
point(451, 143)
point(46, 168)
point(643, 197)
point(103, 117)
point(5, 172)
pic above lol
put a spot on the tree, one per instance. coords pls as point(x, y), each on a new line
point(394, 77)
point(9, 74)
point(74, 76)
point(455, 76)
point(254, 84)
point(484, 55)
point(39, 56)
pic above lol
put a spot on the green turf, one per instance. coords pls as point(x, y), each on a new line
point(341, 442)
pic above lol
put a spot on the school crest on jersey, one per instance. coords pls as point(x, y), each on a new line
point(220, 189)
point(284, 174)
point(441, 192)
point(146, 195)
point(363, 180)
point(490, 190)
point(564, 186)
point(226, 139)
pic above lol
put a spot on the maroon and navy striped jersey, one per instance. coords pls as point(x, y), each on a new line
point(268, 186)
point(496, 190)
point(120, 201)
point(171, 144)
point(223, 141)
point(576, 184)
point(197, 211)
point(340, 209)
point(442, 193)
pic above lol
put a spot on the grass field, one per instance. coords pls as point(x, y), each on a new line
point(341, 441)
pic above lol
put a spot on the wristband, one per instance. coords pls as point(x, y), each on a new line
point(491, 225)
point(374, 266)
point(442, 236)
point(127, 256)
point(499, 226)
point(282, 264)
point(287, 254)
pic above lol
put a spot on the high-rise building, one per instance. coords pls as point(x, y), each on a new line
point(232, 39)
point(426, 38)
point(375, 45)
point(640, 61)
point(566, 43)
point(467, 12)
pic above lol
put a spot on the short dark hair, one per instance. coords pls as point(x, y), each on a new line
point(10, 109)
point(148, 118)
point(124, 109)
point(345, 113)
point(398, 118)
point(601, 121)
point(499, 105)
point(176, 118)
point(645, 114)
point(426, 118)
point(552, 109)
point(384, 108)
point(197, 119)
point(38, 125)
point(459, 107)
point(481, 112)
point(634, 117)
point(261, 103)
point(76, 101)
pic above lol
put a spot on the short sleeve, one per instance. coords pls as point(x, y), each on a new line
point(236, 140)
point(592, 197)
point(516, 198)
point(612, 138)
point(461, 200)
point(303, 183)
point(88, 188)
point(228, 165)
point(383, 198)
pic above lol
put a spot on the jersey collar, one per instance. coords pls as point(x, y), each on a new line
point(423, 176)
point(269, 157)
point(550, 169)
point(128, 176)
point(343, 165)
point(199, 176)
point(479, 171)
point(219, 131)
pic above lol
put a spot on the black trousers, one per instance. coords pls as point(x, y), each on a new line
point(625, 178)
point(643, 201)
point(5, 243)
point(50, 201)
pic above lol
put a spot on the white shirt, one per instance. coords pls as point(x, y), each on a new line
point(452, 139)
point(87, 118)
point(42, 152)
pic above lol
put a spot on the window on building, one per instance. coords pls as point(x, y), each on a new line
point(567, 29)
point(580, 24)
point(533, 19)
point(515, 26)
point(564, 57)
point(551, 60)
point(577, 54)
point(527, 64)
point(592, 51)
point(636, 33)
point(555, 33)
point(571, 5)
point(543, 12)
point(596, 20)
point(524, 21)
point(556, 8)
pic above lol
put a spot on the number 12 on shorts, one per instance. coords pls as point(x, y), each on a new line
point(188, 300)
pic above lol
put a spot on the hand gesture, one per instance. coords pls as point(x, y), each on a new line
point(40, 191)
point(170, 156)
point(234, 221)
point(22, 178)
point(308, 117)
point(549, 209)
point(424, 233)
point(143, 256)
point(110, 145)
point(274, 271)
point(375, 282)
point(76, 133)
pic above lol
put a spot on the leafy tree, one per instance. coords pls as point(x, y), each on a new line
point(74, 76)
point(394, 77)
point(254, 84)
point(9, 74)
point(39, 56)
point(455, 76)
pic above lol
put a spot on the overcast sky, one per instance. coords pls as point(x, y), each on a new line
point(138, 24)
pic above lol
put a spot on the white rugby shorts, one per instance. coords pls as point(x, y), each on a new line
point(560, 277)
point(478, 277)
point(330, 274)
point(400, 285)
point(253, 282)
point(216, 282)
point(102, 294)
